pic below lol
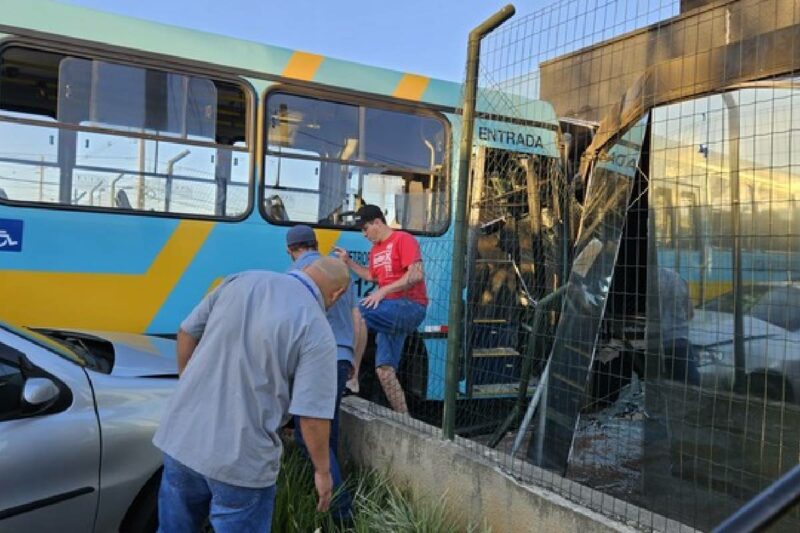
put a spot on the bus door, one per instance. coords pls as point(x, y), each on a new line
point(514, 255)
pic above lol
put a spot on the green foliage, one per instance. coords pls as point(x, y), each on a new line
point(378, 506)
point(296, 499)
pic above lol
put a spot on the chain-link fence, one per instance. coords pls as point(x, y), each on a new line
point(632, 313)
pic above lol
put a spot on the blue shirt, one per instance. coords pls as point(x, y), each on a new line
point(340, 316)
point(265, 353)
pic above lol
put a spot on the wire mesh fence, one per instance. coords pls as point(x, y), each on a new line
point(631, 306)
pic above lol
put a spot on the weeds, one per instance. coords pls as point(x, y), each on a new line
point(378, 506)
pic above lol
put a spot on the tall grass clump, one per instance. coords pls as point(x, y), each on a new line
point(378, 506)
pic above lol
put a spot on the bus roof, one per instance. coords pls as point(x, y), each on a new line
point(247, 57)
point(77, 22)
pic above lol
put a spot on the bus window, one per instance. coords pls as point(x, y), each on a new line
point(402, 139)
point(96, 134)
point(292, 184)
point(327, 158)
point(120, 96)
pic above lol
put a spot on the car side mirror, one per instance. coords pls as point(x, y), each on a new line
point(39, 393)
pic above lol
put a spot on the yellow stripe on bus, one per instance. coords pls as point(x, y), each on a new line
point(411, 87)
point(711, 290)
point(326, 239)
point(117, 302)
point(303, 66)
point(215, 284)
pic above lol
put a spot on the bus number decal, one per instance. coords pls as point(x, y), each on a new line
point(364, 288)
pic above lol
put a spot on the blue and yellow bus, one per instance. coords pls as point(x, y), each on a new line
point(141, 163)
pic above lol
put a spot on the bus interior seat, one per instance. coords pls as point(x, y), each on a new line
point(276, 209)
point(121, 200)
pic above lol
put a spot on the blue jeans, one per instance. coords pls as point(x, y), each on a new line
point(342, 504)
point(187, 498)
point(392, 321)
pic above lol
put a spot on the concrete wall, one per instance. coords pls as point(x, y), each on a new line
point(476, 487)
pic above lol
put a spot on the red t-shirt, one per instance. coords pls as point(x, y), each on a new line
point(389, 261)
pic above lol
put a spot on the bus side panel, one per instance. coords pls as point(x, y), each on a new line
point(94, 270)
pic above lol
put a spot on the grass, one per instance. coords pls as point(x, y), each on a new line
point(378, 506)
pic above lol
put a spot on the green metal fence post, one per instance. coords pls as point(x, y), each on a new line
point(456, 310)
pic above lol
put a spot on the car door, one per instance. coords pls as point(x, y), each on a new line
point(50, 455)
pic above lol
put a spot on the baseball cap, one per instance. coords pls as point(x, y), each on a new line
point(300, 234)
point(368, 213)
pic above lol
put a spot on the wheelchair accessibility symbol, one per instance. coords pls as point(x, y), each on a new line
point(10, 235)
point(6, 240)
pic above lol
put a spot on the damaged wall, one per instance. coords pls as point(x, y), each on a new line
point(728, 42)
point(470, 476)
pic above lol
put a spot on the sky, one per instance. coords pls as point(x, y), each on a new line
point(427, 37)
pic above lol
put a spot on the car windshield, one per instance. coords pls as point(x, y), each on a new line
point(45, 342)
point(777, 305)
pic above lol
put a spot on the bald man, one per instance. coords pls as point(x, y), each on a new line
point(255, 351)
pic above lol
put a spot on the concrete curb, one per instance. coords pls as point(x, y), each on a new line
point(477, 480)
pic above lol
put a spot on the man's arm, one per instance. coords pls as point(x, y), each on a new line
point(413, 275)
point(359, 270)
point(313, 399)
point(316, 432)
point(185, 349)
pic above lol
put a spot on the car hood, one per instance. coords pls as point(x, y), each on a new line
point(137, 355)
point(142, 355)
point(713, 328)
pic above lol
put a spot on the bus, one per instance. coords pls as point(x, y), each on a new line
point(142, 163)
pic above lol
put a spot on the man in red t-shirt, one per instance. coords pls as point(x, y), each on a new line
point(398, 306)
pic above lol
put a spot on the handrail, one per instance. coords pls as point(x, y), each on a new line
point(767, 507)
point(525, 372)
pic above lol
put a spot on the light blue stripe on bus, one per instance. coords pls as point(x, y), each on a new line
point(84, 23)
point(443, 93)
point(69, 241)
point(344, 74)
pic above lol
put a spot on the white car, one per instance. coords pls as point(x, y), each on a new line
point(77, 414)
point(771, 341)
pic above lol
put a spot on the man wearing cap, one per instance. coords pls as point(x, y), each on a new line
point(398, 306)
point(254, 351)
point(301, 244)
